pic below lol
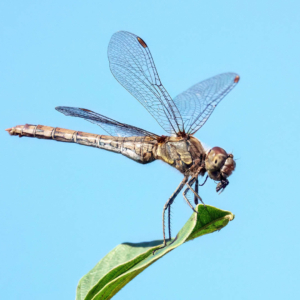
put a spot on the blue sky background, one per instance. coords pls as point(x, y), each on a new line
point(64, 206)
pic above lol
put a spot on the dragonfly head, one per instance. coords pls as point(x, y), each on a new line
point(218, 164)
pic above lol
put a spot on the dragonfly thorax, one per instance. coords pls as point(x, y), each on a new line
point(186, 154)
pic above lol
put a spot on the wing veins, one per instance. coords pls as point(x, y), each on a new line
point(197, 103)
point(112, 127)
point(133, 66)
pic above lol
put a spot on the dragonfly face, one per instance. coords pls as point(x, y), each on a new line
point(218, 164)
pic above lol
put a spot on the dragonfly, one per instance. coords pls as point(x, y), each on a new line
point(132, 65)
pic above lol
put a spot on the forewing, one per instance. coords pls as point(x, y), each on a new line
point(198, 102)
point(111, 126)
point(132, 65)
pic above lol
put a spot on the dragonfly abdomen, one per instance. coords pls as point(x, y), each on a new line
point(139, 149)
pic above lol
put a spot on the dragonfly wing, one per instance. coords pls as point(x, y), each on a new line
point(112, 127)
point(132, 65)
point(198, 102)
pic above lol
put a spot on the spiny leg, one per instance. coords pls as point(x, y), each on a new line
point(196, 190)
point(196, 194)
point(202, 184)
point(169, 217)
point(222, 185)
point(169, 220)
point(167, 205)
point(191, 182)
point(188, 202)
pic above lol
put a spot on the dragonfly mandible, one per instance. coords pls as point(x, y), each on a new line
point(132, 65)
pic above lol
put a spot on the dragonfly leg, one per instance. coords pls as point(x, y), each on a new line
point(187, 200)
point(222, 185)
point(191, 182)
point(204, 181)
point(196, 194)
point(196, 190)
point(168, 205)
point(169, 220)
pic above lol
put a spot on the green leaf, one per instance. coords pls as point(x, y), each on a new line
point(127, 260)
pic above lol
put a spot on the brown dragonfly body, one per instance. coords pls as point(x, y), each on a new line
point(181, 117)
point(184, 154)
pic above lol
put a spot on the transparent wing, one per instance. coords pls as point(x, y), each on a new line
point(198, 102)
point(132, 65)
point(111, 126)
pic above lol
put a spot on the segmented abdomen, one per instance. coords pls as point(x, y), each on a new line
point(137, 148)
